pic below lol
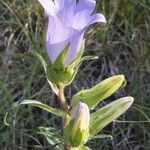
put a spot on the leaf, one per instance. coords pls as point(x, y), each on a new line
point(52, 110)
point(53, 138)
point(59, 62)
point(107, 114)
point(47, 70)
point(53, 86)
point(40, 58)
point(99, 92)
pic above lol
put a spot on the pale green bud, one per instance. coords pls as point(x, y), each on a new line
point(78, 129)
point(80, 113)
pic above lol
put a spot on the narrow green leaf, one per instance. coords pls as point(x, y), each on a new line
point(52, 110)
point(52, 138)
point(99, 92)
point(53, 86)
point(109, 113)
point(40, 58)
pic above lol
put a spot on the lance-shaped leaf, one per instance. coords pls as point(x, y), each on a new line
point(52, 110)
point(107, 114)
point(54, 139)
point(99, 92)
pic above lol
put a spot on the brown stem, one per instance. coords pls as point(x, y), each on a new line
point(63, 104)
point(62, 98)
point(65, 147)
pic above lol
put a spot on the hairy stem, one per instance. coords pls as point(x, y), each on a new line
point(62, 98)
point(63, 104)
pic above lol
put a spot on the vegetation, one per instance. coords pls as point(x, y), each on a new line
point(123, 47)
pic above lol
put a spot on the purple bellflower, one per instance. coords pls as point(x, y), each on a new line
point(67, 22)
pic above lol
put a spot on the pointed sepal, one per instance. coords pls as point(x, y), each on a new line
point(99, 92)
point(108, 113)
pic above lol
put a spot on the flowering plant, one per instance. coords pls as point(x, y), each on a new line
point(67, 21)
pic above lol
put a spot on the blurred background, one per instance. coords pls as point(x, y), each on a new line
point(123, 47)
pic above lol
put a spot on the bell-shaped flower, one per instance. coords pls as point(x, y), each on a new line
point(67, 22)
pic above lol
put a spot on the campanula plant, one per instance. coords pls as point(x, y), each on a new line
point(67, 21)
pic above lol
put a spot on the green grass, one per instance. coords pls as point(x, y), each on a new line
point(123, 48)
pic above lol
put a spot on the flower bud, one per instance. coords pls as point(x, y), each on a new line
point(80, 113)
point(77, 132)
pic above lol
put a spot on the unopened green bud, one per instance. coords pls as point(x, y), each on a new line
point(77, 132)
point(80, 113)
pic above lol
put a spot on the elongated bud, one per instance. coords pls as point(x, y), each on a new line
point(77, 132)
point(80, 113)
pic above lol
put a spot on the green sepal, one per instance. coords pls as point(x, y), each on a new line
point(59, 62)
point(73, 67)
point(80, 148)
point(99, 92)
point(45, 107)
point(59, 73)
point(107, 114)
point(50, 74)
point(59, 76)
point(75, 138)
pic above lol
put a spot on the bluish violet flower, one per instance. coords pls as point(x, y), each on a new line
point(67, 22)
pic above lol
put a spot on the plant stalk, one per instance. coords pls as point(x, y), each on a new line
point(62, 98)
point(63, 104)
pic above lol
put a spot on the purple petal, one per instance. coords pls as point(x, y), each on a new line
point(59, 4)
point(49, 7)
point(96, 18)
point(82, 20)
point(55, 49)
point(57, 32)
point(86, 5)
point(74, 49)
point(67, 13)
